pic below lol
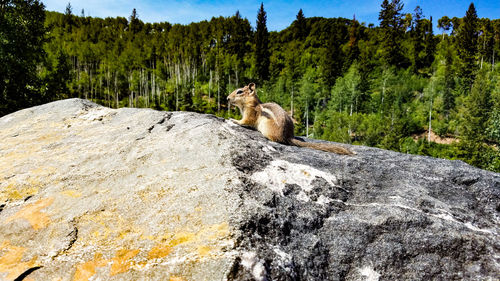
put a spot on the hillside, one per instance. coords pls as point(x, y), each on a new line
point(93, 193)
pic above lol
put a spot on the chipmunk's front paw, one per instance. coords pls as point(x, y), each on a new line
point(234, 121)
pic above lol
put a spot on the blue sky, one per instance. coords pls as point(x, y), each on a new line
point(279, 13)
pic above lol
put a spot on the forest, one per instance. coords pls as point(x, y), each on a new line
point(398, 85)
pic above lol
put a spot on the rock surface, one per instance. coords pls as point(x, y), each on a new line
point(92, 193)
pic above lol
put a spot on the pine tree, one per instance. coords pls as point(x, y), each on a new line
point(300, 26)
point(417, 37)
point(58, 78)
point(134, 22)
point(430, 44)
point(391, 28)
point(475, 121)
point(423, 42)
point(467, 47)
point(262, 45)
point(68, 17)
point(69, 9)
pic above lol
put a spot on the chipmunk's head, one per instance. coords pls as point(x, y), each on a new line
point(245, 96)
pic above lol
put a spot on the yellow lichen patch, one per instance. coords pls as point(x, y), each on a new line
point(204, 250)
point(219, 230)
point(181, 238)
point(121, 262)
point(15, 192)
point(213, 232)
point(202, 242)
point(72, 193)
point(159, 251)
point(110, 229)
point(32, 213)
point(176, 278)
point(10, 261)
point(86, 270)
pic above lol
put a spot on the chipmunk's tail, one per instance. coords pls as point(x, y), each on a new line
point(328, 147)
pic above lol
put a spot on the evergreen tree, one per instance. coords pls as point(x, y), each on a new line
point(391, 32)
point(69, 9)
point(418, 36)
point(430, 44)
point(134, 22)
point(467, 47)
point(262, 45)
point(332, 49)
point(241, 32)
point(423, 43)
point(333, 60)
point(57, 79)
point(68, 17)
point(475, 121)
point(300, 26)
point(22, 33)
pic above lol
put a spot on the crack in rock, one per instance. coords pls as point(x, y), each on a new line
point(26, 273)
point(73, 235)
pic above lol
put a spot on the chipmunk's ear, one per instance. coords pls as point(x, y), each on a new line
point(251, 86)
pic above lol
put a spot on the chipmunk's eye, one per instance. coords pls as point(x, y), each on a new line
point(239, 92)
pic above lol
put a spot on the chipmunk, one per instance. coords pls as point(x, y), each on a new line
point(272, 120)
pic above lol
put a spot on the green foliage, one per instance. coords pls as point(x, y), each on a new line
point(262, 45)
point(300, 26)
point(346, 94)
point(341, 80)
point(477, 109)
point(391, 32)
point(22, 33)
point(423, 42)
point(493, 130)
point(477, 112)
point(467, 47)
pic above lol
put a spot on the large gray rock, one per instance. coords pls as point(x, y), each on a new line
point(92, 193)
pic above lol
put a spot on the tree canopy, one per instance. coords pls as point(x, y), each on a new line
point(22, 34)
